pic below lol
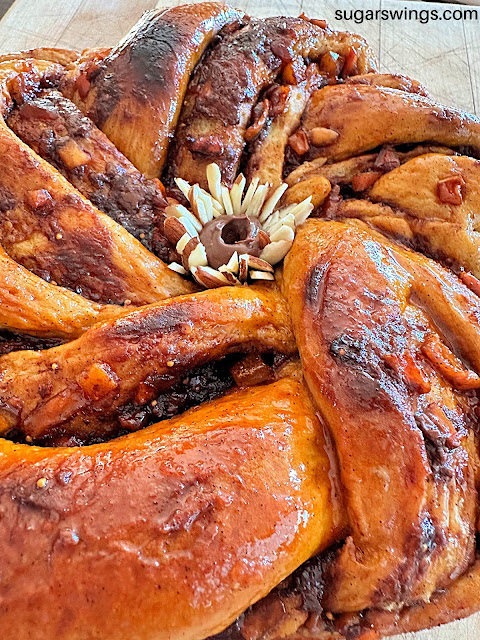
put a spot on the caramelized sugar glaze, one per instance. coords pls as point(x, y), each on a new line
point(297, 458)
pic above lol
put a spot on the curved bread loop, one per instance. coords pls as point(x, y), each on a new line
point(111, 527)
point(267, 152)
point(48, 227)
point(443, 220)
point(367, 116)
point(135, 357)
point(58, 131)
point(63, 57)
point(29, 304)
point(155, 59)
point(226, 86)
point(391, 81)
point(401, 431)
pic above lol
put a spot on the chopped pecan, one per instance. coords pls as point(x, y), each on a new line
point(332, 64)
point(350, 64)
point(295, 71)
point(387, 159)
point(251, 370)
point(207, 145)
point(316, 21)
point(260, 119)
point(450, 190)
point(278, 99)
point(363, 181)
point(332, 203)
point(298, 141)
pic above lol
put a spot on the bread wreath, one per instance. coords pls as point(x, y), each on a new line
point(335, 496)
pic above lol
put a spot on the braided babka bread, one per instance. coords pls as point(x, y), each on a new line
point(240, 338)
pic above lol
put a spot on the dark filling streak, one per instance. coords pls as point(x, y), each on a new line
point(223, 83)
point(47, 123)
point(304, 587)
point(440, 456)
point(202, 384)
point(10, 341)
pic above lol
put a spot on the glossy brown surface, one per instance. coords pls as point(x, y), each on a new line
point(135, 93)
point(206, 513)
point(448, 230)
point(224, 89)
point(357, 470)
point(360, 337)
point(55, 129)
point(390, 80)
point(29, 304)
point(367, 116)
point(48, 227)
point(79, 388)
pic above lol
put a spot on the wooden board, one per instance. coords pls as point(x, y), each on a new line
point(443, 55)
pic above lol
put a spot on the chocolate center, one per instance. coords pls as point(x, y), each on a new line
point(222, 236)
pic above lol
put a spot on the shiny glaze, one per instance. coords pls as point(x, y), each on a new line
point(81, 386)
point(448, 232)
point(226, 86)
point(367, 116)
point(351, 310)
point(135, 93)
point(66, 240)
point(55, 129)
point(390, 80)
point(29, 304)
point(194, 518)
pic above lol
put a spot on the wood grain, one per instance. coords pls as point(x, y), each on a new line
point(445, 56)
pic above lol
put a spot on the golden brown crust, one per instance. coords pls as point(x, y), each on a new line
point(246, 488)
point(347, 313)
point(134, 358)
point(64, 57)
point(135, 93)
point(55, 129)
point(75, 245)
point(367, 116)
point(225, 88)
point(200, 517)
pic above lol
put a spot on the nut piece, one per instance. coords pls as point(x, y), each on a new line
point(72, 156)
point(363, 181)
point(174, 229)
point(322, 137)
point(259, 265)
point(318, 187)
point(298, 141)
point(255, 128)
point(450, 190)
point(243, 267)
point(331, 63)
point(276, 251)
point(209, 278)
point(349, 68)
point(261, 275)
point(294, 72)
